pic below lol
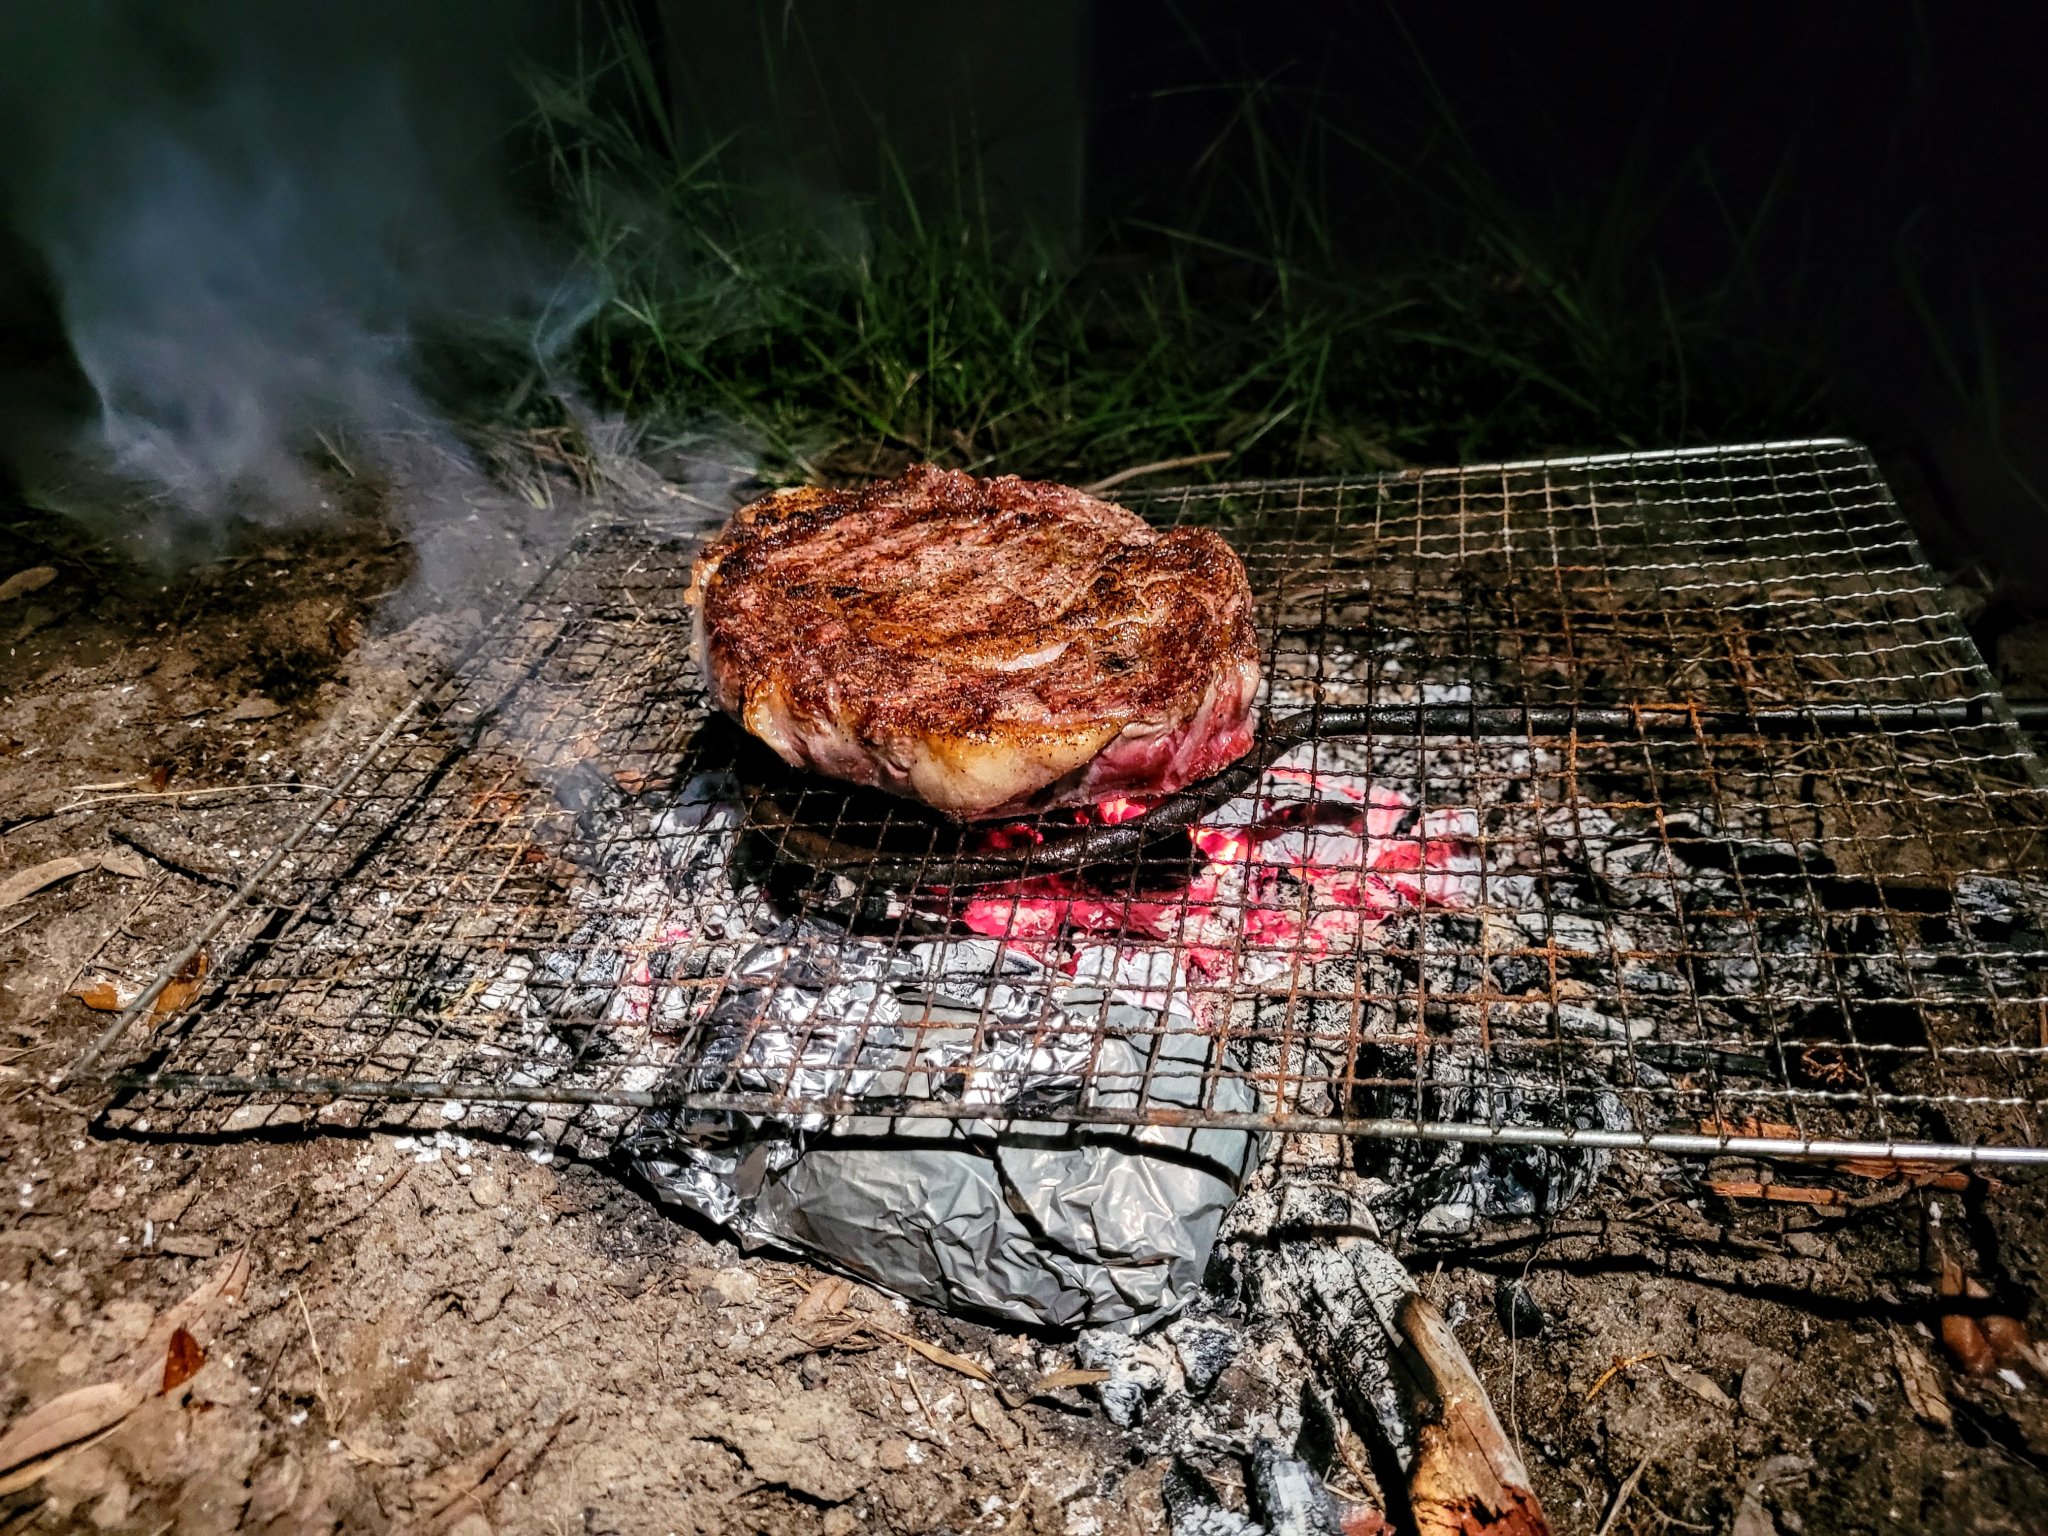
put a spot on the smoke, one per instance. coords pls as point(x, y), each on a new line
point(248, 216)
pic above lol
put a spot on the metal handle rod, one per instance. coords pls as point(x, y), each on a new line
point(1067, 849)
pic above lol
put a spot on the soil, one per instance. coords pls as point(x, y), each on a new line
point(438, 1332)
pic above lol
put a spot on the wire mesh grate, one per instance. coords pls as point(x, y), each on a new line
point(553, 882)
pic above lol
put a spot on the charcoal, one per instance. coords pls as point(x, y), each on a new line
point(1520, 974)
point(1193, 1508)
point(1205, 1347)
point(1521, 1315)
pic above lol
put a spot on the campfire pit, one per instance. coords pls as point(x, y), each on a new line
point(1676, 813)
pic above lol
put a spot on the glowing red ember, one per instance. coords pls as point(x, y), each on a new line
point(1304, 875)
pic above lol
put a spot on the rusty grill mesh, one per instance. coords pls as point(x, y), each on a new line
point(547, 885)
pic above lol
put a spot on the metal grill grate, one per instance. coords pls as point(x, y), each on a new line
point(546, 885)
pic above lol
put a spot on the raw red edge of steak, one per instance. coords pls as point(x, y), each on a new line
point(990, 647)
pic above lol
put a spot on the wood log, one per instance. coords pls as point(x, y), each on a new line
point(1401, 1374)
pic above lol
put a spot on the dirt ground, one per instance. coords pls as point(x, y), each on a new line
point(415, 1328)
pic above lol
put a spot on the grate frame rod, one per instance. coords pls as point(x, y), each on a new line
point(1806, 1148)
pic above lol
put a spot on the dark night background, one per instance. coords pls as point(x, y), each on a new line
point(1698, 222)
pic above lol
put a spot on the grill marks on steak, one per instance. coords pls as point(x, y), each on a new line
point(986, 646)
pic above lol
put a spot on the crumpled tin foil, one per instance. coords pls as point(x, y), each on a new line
point(1001, 1215)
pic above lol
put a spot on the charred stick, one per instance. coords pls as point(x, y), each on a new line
point(1399, 1371)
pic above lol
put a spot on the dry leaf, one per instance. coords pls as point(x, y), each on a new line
point(1964, 1338)
point(451, 1495)
point(1699, 1383)
point(990, 1419)
point(1926, 1394)
point(1919, 1174)
point(194, 1314)
point(364, 1454)
point(109, 994)
point(21, 583)
point(106, 995)
point(182, 1359)
point(828, 1298)
point(29, 1446)
point(938, 1356)
point(35, 1443)
point(181, 988)
point(125, 862)
point(20, 887)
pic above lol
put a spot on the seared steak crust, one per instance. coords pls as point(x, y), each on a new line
point(987, 646)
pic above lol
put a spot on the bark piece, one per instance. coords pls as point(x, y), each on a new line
point(1399, 1370)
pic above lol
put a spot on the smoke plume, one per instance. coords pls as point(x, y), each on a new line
point(245, 217)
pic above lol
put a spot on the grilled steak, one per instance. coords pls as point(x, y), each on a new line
point(986, 646)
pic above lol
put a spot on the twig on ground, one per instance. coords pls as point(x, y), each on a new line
point(1158, 466)
point(924, 1407)
point(320, 1364)
point(181, 794)
point(1624, 1493)
point(1618, 1367)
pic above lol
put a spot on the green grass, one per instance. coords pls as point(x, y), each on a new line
point(915, 325)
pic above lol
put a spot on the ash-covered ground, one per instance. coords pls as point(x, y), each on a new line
point(440, 1332)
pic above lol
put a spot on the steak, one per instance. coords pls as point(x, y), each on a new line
point(989, 647)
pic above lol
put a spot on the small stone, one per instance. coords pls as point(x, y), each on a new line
point(732, 1287)
point(487, 1189)
point(840, 1522)
point(472, 1524)
point(169, 1206)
